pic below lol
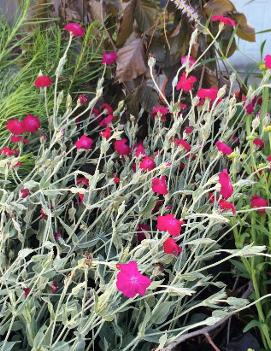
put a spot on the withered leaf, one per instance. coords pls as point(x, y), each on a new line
point(126, 23)
point(146, 12)
point(96, 10)
point(244, 30)
point(131, 61)
point(218, 7)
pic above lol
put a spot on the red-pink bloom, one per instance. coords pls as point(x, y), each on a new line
point(170, 247)
point(84, 143)
point(116, 179)
point(7, 151)
point(224, 148)
point(31, 123)
point(53, 287)
point(226, 20)
point(24, 192)
point(170, 224)
point(26, 291)
point(43, 215)
point(130, 281)
point(226, 205)
point(141, 230)
point(258, 201)
point(75, 29)
point(186, 83)
point(258, 142)
point(183, 143)
point(106, 108)
point(251, 105)
point(182, 106)
point(188, 130)
point(226, 188)
point(82, 181)
point(43, 81)
point(161, 111)
point(121, 147)
point(159, 185)
point(267, 61)
point(140, 150)
point(190, 59)
point(19, 139)
point(80, 197)
point(57, 236)
point(268, 158)
point(106, 133)
point(82, 99)
point(109, 58)
point(210, 94)
point(106, 121)
point(15, 126)
point(147, 164)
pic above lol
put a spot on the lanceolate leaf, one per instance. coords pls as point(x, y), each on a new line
point(131, 61)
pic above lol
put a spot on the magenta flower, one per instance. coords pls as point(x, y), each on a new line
point(130, 281)
point(75, 29)
point(140, 150)
point(226, 188)
point(19, 139)
point(24, 192)
point(82, 181)
point(159, 185)
point(226, 205)
point(170, 247)
point(186, 83)
point(121, 147)
point(190, 59)
point(15, 126)
point(147, 164)
point(84, 143)
point(183, 143)
point(224, 148)
point(31, 123)
point(258, 142)
point(160, 111)
point(43, 81)
point(106, 133)
point(83, 99)
point(226, 20)
point(258, 201)
point(8, 151)
point(106, 108)
point(188, 130)
point(267, 61)
point(109, 58)
point(170, 224)
point(106, 121)
point(210, 94)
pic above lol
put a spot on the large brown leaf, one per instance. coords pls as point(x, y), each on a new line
point(126, 23)
point(244, 30)
point(146, 12)
point(218, 7)
point(131, 61)
point(96, 10)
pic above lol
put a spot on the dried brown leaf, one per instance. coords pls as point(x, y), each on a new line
point(131, 61)
point(126, 22)
point(244, 30)
point(218, 7)
point(96, 10)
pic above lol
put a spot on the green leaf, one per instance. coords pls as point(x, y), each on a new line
point(161, 313)
point(252, 324)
